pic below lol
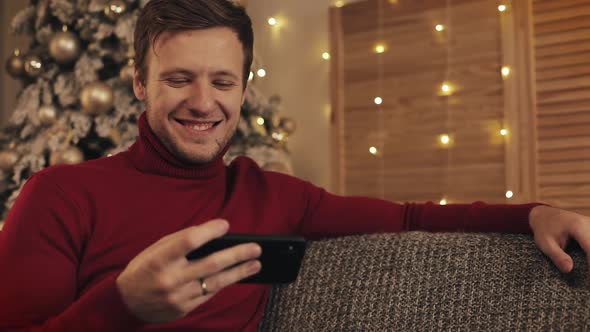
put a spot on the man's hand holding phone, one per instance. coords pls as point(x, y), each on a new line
point(161, 285)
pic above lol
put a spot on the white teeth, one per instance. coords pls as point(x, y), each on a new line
point(201, 126)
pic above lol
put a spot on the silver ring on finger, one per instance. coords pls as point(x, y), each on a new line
point(204, 289)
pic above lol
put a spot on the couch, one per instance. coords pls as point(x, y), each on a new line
point(420, 281)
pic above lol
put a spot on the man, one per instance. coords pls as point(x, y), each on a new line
point(101, 246)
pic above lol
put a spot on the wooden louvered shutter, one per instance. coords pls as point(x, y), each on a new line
point(562, 69)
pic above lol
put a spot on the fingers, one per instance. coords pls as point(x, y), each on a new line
point(231, 276)
point(189, 291)
point(220, 261)
point(193, 289)
point(177, 245)
point(552, 249)
point(581, 235)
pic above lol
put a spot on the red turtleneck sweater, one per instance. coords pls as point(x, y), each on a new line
point(74, 229)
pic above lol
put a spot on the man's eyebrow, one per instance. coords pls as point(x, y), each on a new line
point(177, 71)
point(225, 73)
point(187, 72)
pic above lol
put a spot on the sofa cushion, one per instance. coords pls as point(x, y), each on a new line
point(420, 281)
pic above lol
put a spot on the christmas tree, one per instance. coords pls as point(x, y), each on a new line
point(77, 100)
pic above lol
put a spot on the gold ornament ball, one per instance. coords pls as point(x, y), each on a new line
point(33, 65)
point(8, 159)
point(127, 72)
point(47, 114)
point(288, 125)
point(97, 98)
point(15, 65)
point(114, 9)
point(64, 47)
point(71, 155)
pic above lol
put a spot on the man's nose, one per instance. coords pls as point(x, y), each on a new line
point(201, 98)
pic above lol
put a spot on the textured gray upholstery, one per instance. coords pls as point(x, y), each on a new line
point(421, 281)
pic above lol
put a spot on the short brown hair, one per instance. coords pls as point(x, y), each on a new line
point(159, 16)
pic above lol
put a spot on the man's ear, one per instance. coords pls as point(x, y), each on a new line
point(138, 87)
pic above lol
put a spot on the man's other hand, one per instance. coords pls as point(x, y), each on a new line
point(553, 228)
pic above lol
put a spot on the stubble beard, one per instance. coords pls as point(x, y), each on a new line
point(186, 155)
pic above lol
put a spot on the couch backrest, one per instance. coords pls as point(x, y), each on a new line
point(421, 281)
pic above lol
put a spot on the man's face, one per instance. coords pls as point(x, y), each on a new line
point(193, 91)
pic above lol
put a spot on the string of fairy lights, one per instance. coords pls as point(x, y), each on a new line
point(445, 88)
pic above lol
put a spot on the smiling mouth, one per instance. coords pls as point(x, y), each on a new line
point(198, 126)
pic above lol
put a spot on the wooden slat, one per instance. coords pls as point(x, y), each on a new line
point(564, 84)
point(564, 72)
point(562, 61)
point(563, 143)
point(552, 121)
point(565, 167)
point(562, 14)
point(549, 6)
point(562, 37)
point(580, 130)
point(562, 96)
point(565, 107)
point(567, 25)
point(576, 153)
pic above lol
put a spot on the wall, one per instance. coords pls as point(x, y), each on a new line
point(292, 56)
point(8, 42)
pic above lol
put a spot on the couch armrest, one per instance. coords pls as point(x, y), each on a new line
point(419, 281)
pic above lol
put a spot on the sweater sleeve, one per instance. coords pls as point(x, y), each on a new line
point(41, 246)
point(329, 215)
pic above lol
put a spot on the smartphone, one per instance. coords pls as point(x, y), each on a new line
point(281, 255)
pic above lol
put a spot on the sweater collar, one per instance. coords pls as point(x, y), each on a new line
point(149, 155)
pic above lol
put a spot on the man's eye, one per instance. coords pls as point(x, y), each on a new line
point(176, 81)
point(224, 84)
